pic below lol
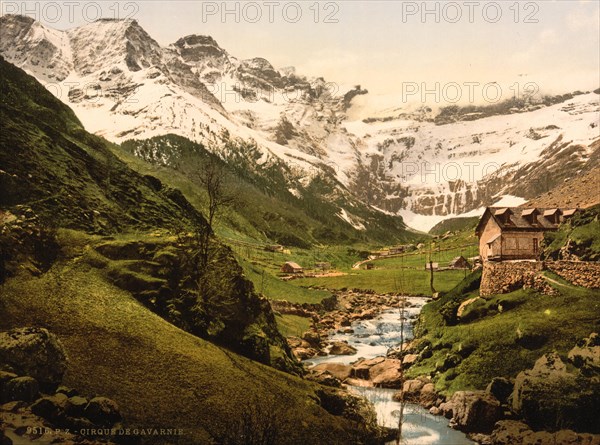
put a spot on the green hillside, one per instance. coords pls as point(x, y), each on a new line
point(58, 176)
point(578, 238)
point(489, 331)
point(455, 224)
point(159, 375)
point(108, 260)
point(502, 335)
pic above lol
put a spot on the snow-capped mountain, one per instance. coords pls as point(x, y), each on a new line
point(123, 85)
point(420, 167)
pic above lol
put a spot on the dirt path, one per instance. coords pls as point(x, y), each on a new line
point(360, 263)
point(553, 281)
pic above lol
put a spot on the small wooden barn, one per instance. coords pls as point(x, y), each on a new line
point(460, 262)
point(291, 267)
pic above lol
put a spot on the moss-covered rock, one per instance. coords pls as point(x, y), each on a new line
point(586, 355)
point(550, 397)
point(33, 352)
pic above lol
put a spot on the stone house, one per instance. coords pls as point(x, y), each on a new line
point(434, 266)
point(516, 233)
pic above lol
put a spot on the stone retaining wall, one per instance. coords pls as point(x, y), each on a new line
point(580, 273)
point(507, 276)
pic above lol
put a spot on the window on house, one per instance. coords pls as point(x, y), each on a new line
point(535, 246)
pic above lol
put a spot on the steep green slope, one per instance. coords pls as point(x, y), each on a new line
point(67, 176)
point(95, 252)
point(500, 335)
point(56, 175)
point(578, 238)
point(161, 376)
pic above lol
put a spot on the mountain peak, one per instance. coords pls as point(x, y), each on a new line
point(258, 63)
point(16, 18)
point(195, 40)
point(32, 46)
point(110, 42)
point(111, 19)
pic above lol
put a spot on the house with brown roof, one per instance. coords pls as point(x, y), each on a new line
point(516, 233)
point(291, 267)
point(459, 262)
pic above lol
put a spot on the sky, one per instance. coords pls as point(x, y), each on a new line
point(420, 50)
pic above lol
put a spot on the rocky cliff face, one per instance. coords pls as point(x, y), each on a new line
point(122, 84)
point(451, 168)
point(37, 49)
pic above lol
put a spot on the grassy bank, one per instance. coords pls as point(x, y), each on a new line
point(502, 335)
point(268, 284)
point(161, 376)
point(292, 325)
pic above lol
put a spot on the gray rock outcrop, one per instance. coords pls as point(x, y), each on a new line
point(550, 397)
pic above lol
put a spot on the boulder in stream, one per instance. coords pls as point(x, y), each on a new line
point(341, 348)
point(387, 374)
point(338, 370)
point(475, 411)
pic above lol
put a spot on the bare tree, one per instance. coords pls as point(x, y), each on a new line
point(213, 178)
point(216, 182)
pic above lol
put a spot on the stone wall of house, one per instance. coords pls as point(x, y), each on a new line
point(507, 276)
point(520, 245)
point(580, 273)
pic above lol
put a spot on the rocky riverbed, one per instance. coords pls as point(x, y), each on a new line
point(348, 348)
point(346, 327)
point(355, 346)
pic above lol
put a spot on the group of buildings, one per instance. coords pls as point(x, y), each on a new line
point(507, 233)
